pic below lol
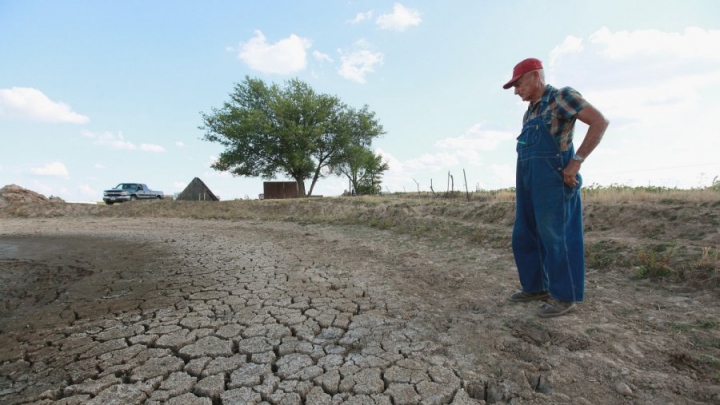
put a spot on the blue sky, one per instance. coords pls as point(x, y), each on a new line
point(93, 93)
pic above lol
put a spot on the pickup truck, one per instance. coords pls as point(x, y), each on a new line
point(130, 192)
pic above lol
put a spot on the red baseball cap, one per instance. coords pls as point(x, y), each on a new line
point(527, 65)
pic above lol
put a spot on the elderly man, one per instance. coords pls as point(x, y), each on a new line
point(547, 236)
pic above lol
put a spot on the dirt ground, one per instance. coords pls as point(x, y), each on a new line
point(150, 310)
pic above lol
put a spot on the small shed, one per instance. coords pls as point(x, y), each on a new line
point(280, 189)
point(197, 190)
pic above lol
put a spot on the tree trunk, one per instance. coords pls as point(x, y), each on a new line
point(355, 184)
point(315, 177)
point(301, 187)
point(312, 186)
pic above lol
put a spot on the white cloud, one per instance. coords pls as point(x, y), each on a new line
point(31, 104)
point(51, 169)
point(360, 17)
point(321, 56)
point(693, 42)
point(286, 56)
point(571, 44)
point(117, 141)
point(178, 185)
point(180, 144)
point(357, 63)
point(476, 138)
point(86, 190)
point(503, 176)
point(147, 147)
point(215, 173)
point(401, 175)
point(400, 19)
point(454, 151)
point(109, 139)
point(453, 154)
point(645, 77)
point(100, 166)
point(396, 175)
point(328, 187)
point(643, 59)
point(659, 91)
point(430, 162)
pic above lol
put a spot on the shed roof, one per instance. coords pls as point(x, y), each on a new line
point(197, 190)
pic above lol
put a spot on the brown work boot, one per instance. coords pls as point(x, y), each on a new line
point(555, 308)
point(522, 296)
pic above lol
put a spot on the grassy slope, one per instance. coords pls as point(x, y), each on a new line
point(666, 235)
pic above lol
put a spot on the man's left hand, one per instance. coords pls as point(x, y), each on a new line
point(570, 173)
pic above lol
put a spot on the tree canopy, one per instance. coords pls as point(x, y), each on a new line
point(363, 168)
point(268, 130)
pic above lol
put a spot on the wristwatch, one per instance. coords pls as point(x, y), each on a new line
point(578, 158)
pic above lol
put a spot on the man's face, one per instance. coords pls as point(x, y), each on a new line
point(525, 86)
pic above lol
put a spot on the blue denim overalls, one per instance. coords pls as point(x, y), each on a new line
point(547, 236)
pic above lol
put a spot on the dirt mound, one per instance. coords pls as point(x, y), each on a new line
point(15, 193)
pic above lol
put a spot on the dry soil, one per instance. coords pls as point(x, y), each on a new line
point(104, 306)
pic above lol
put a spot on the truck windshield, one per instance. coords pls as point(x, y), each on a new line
point(124, 186)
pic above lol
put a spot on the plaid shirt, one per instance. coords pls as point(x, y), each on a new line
point(560, 114)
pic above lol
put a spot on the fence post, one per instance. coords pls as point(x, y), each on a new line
point(467, 192)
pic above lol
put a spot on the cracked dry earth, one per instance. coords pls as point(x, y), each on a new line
point(178, 311)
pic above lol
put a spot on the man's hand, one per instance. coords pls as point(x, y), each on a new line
point(570, 173)
point(597, 124)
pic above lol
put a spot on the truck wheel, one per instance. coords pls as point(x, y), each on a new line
point(109, 203)
point(133, 198)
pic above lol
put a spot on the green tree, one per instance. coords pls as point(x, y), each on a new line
point(293, 131)
point(363, 168)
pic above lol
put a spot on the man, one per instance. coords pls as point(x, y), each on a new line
point(547, 236)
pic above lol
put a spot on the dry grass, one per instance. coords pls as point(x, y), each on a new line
point(619, 193)
point(656, 233)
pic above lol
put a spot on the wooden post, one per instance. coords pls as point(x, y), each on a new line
point(467, 192)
